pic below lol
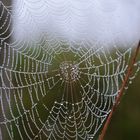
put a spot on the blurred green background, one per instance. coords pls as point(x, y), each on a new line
point(125, 123)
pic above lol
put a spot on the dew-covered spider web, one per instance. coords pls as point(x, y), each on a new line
point(53, 88)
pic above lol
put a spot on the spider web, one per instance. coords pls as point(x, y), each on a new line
point(55, 89)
